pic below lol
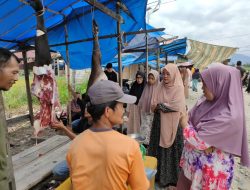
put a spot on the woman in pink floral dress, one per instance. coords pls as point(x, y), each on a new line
point(214, 133)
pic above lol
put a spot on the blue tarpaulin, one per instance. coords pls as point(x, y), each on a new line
point(139, 41)
point(134, 58)
point(176, 47)
point(18, 24)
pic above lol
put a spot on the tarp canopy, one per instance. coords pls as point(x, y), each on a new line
point(151, 57)
point(139, 40)
point(127, 59)
point(176, 47)
point(202, 54)
point(18, 24)
point(139, 43)
point(134, 58)
point(153, 64)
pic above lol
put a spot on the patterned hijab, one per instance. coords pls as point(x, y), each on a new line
point(221, 122)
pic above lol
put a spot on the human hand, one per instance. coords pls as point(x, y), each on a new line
point(153, 107)
point(184, 120)
point(57, 125)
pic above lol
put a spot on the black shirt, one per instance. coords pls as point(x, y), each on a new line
point(242, 70)
point(111, 75)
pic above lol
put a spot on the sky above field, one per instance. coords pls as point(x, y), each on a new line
point(220, 22)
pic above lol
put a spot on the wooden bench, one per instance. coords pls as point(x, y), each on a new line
point(36, 163)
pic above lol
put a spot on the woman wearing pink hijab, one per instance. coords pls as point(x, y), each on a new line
point(215, 132)
point(166, 139)
point(145, 105)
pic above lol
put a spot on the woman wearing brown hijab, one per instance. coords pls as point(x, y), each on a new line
point(166, 139)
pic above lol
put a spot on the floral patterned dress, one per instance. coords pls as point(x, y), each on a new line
point(212, 171)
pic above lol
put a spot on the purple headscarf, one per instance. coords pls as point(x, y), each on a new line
point(221, 122)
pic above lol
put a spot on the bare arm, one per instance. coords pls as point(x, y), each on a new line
point(67, 130)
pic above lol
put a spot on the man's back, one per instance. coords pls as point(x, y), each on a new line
point(111, 75)
point(106, 160)
point(242, 70)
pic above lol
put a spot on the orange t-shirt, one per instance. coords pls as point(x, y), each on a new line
point(106, 160)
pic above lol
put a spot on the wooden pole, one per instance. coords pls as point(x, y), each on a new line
point(119, 46)
point(106, 10)
point(74, 79)
point(166, 58)
point(146, 64)
point(27, 83)
point(68, 70)
point(7, 181)
point(158, 60)
point(109, 36)
point(58, 68)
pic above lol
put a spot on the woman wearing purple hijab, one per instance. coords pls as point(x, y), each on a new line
point(215, 132)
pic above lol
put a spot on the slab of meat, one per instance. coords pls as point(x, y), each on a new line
point(44, 84)
point(44, 87)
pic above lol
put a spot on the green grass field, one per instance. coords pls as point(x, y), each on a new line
point(247, 67)
point(17, 97)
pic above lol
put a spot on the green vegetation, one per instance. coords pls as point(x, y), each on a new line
point(17, 97)
point(247, 67)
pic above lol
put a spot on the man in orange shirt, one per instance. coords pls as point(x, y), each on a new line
point(101, 158)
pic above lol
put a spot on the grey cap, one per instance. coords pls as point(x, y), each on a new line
point(107, 91)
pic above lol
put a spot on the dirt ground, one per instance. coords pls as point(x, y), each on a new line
point(21, 133)
point(21, 138)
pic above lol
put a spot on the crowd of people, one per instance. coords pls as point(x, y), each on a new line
point(194, 148)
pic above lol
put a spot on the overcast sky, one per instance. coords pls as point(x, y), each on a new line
point(221, 22)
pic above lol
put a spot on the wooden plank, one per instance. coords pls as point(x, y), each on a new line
point(27, 156)
point(105, 10)
point(30, 175)
point(17, 119)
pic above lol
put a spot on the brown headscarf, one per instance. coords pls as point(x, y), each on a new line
point(147, 94)
point(172, 96)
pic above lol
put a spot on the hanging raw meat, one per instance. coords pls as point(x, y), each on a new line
point(44, 85)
